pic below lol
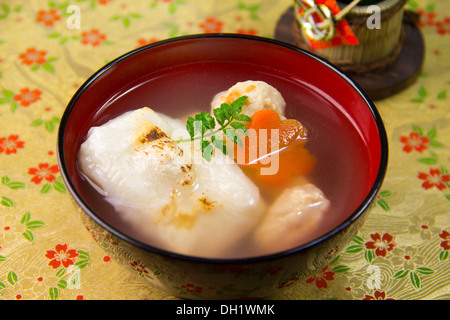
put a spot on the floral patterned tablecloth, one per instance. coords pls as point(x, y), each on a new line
point(402, 251)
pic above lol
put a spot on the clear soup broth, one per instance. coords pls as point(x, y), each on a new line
point(342, 168)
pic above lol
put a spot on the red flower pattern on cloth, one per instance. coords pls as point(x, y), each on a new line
point(10, 144)
point(321, 278)
point(32, 57)
point(143, 42)
point(92, 37)
point(429, 19)
point(139, 267)
point(48, 17)
point(434, 178)
point(211, 25)
point(191, 288)
point(415, 142)
point(61, 256)
point(446, 236)
point(43, 171)
point(251, 32)
point(27, 96)
point(377, 295)
point(382, 244)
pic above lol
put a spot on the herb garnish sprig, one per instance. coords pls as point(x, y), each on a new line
point(202, 126)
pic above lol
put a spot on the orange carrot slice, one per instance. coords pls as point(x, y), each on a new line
point(288, 150)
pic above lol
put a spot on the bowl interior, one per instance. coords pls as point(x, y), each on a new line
point(181, 76)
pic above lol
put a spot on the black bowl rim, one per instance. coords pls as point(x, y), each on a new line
point(253, 259)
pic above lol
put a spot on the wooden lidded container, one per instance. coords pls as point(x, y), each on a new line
point(377, 24)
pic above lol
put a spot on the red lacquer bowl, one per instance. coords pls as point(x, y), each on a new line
point(182, 75)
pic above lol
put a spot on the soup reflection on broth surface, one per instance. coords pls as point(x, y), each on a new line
point(248, 175)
